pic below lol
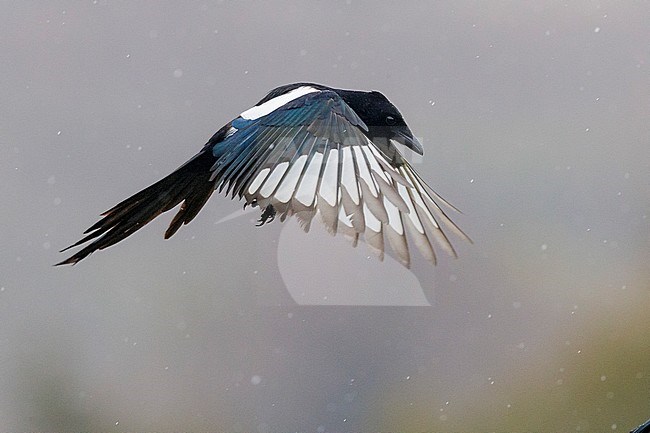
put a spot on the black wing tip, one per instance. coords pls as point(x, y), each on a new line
point(79, 255)
point(172, 229)
point(72, 260)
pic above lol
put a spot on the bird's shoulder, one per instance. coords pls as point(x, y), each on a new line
point(296, 105)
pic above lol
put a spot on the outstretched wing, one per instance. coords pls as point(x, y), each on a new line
point(310, 156)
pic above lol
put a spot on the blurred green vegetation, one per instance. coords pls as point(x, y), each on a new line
point(600, 384)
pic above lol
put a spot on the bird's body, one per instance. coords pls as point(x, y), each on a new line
point(304, 149)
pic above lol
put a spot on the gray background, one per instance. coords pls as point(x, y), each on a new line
point(534, 117)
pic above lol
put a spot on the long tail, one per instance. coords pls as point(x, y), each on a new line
point(189, 184)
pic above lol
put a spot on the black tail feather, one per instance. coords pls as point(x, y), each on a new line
point(189, 184)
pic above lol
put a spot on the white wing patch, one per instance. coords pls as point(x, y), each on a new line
point(290, 182)
point(346, 180)
point(329, 184)
point(364, 171)
point(348, 177)
point(306, 191)
point(274, 179)
point(261, 176)
point(356, 191)
point(275, 103)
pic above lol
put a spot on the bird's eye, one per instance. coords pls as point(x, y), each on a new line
point(390, 120)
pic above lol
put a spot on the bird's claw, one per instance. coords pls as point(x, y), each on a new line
point(268, 215)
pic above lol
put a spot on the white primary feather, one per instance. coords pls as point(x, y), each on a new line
point(364, 172)
point(329, 184)
point(274, 178)
point(290, 181)
point(394, 220)
point(258, 180)
point(307, 190)
point(348, 176)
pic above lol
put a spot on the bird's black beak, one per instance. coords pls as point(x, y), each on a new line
point(405, 137)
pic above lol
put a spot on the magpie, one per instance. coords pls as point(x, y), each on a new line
point(303, 150)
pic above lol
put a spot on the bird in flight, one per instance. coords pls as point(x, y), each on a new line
point(303, 150)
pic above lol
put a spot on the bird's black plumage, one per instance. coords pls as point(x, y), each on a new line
point(304, 149)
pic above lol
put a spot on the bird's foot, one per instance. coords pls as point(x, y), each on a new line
point(267, 216)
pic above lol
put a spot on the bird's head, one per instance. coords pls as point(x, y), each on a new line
point(383, 119)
